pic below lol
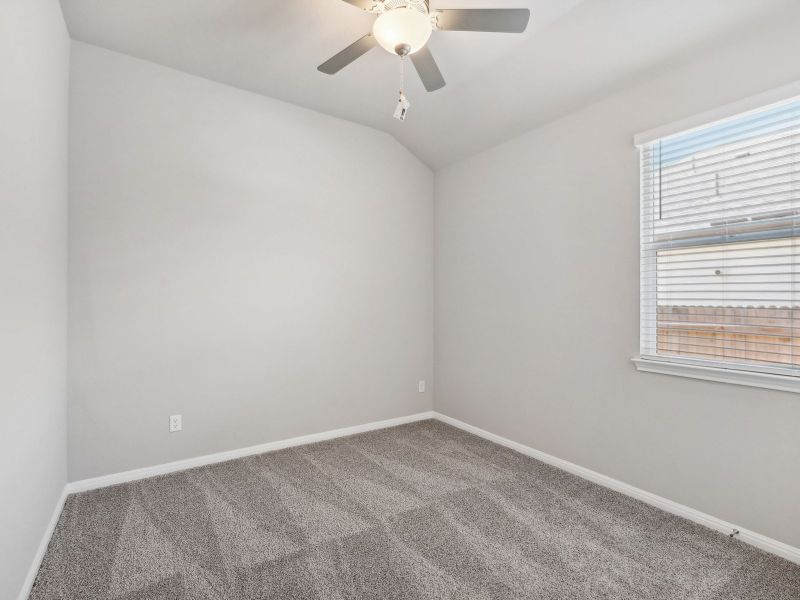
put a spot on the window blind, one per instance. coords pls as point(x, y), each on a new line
point(720, 243)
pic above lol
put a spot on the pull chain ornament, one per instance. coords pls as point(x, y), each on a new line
point(403, 104)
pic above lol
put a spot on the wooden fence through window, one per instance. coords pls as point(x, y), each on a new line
point(764, 334)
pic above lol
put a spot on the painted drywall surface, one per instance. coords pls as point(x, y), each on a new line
point(537, 317)
point(34, 71)
point(264, 270)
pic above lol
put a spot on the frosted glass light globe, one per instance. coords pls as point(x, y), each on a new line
point(402, 26)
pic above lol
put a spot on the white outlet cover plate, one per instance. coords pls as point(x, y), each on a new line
point(175, 423)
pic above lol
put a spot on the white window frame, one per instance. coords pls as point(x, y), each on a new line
point(695, 369)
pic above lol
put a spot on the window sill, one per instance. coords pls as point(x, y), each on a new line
point(784, 383)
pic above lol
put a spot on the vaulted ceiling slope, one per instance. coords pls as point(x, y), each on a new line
point(498, 85)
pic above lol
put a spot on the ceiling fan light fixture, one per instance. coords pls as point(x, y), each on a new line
point(402, 28)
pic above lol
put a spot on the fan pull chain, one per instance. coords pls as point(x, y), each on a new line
point(402, 103)
point(402, 74)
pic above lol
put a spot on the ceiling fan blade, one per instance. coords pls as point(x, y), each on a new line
point(500, 20)
point(339, 61)
point(363, 4)
point(428, 69)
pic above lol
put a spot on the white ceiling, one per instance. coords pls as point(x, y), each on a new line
point(498, 85)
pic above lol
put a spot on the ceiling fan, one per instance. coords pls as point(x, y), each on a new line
point(403, 27)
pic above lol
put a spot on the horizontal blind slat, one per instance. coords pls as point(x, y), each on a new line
point(764, 159)
point(786, 121)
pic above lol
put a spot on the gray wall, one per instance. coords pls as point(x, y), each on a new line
point(34, 72)
point(264, 270)
point(537, 292)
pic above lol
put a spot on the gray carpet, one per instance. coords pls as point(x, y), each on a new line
point(417, 511)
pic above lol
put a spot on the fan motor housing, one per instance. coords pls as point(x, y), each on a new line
point(419, 5)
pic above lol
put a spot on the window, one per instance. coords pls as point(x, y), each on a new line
point(720, 244)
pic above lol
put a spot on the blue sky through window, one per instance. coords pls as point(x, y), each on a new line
point(731, 131)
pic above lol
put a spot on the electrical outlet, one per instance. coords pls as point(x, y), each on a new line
point(175, 423)
point(421, 387)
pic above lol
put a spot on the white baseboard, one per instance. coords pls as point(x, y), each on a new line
point(94, 483)
point(770, 545)
point(40, 551)
point(760, 541)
